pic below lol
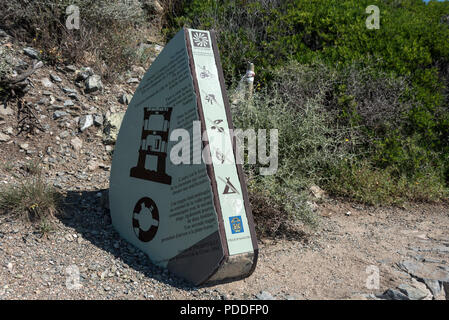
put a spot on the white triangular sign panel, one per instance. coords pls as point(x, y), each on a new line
point(173, 195)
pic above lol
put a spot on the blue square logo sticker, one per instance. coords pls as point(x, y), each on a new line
point(236, 224)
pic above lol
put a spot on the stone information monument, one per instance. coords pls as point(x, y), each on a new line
point(176, 191)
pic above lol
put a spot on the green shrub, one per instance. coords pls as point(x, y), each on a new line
point(271, 32)
point(367, 184)
point(321, 142)
point(386, 88)
point(308, 144)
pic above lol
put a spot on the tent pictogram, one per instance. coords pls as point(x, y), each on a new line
point(229, 188)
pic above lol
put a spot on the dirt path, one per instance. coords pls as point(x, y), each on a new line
point(330, 264)
point(334, 264)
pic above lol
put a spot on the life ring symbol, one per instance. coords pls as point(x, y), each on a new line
point(145, 235)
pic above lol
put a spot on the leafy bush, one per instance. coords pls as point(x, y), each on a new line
point(356, 94)
point(308, 143)
point(319, 143)
point(365, 183)
point(270, 33)
point(386, 88)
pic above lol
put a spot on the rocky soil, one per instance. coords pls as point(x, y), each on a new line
point(84, 258)
point(66, 120)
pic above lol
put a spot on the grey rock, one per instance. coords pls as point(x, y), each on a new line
point(55, 77)
point(412, 292)
point(68, 90)
point(5, 111)
point(133, 80)
point(70, 68)
point(46, 83)
point(312, 205)
point(68, 103)
point(446, 289)
point(424, 271)
point(125, 99)
point(112, 125)
point(57, 184)
point(392, 294)
point(431, 260)
point(37, 65)
point(73, 96)
point(93, 83)
point(59, 114)
point(76, 144)
point(445, 268)
point(143, 47)
point(441, 249)
point(98, 120)
point(24, 146)
point(85, 122)
point(46, 93)
point(4, 137)
point(264, 295)
point(434, 286)
point(317, 192)
point(158, 47)
point(9, 130)
point(44, 101)
point(30, 52)
point(64, 134)
point(137, 70)
point(364, 296)
point(83, 74)
point(224, 296)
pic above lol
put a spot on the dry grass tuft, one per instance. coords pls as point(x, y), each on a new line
point(31, 200)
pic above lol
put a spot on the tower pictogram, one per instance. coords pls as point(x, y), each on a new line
point(152, 159)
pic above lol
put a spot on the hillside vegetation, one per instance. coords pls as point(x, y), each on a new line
point(362, 112)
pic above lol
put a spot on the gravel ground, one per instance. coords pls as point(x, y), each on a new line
point(84, 258)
